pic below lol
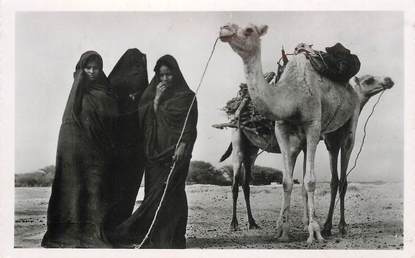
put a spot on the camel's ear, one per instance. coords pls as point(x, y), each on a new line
point(262, 29)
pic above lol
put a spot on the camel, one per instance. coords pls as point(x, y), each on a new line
point(244, 153)
point(304, 105)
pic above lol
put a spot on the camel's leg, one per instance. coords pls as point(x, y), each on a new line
point(313, 137)
point(346, 151)
point(304, 194)
point(249, 162)
point(333, 146)
point(290, 147)
point(237, 158)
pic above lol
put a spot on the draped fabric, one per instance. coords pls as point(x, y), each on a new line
point(129, 80)
point(161, 131)
point(79, 197)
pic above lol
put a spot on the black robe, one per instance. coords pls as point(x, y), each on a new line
point(161, 131)
point(129, 80)
point(79, 198)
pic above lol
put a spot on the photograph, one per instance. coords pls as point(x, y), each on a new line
point(274, 130)
point(96, 142)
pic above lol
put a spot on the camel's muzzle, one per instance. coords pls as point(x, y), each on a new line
point(387, 83)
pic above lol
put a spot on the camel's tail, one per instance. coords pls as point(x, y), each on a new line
point(227, 153)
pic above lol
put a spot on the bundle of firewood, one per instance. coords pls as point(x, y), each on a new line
point(248, 117)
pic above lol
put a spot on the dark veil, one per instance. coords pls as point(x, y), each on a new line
point(129, 80)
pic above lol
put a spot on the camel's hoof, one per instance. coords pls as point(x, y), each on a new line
point(278, 233)
point(284, 238)
point(320, 238)
point(253, 225)
point(343, 229)
point(234, 226)
point(326, 232)
point(282, 232)
point(314, 231)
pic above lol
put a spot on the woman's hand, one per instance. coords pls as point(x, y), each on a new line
point(180, 152)
point(160, 88)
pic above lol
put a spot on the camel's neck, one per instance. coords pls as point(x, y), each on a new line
point(363, 99)
point(260, 91)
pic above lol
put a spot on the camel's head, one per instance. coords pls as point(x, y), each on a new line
point(244, 41)
point(369, 85)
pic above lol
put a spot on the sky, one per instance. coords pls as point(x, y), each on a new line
point(48, 45)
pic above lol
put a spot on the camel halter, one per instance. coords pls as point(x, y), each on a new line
point(177, 145)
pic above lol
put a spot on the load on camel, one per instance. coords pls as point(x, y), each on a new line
point(305, 107)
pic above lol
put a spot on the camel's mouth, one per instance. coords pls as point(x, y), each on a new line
point(225, 38)
point(226, 34)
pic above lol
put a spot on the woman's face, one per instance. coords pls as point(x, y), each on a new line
point(166, 75)
point(92, 70)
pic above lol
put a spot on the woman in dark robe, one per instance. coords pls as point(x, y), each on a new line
point(79, 197)
point(162, 112)
point(129, 80)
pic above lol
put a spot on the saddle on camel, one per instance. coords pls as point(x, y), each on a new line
point(337, 64)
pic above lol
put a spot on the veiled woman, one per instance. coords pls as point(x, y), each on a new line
point(129, 80)
point(162, 112)
point(79, 198)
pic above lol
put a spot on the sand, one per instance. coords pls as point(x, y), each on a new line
point(374, 213)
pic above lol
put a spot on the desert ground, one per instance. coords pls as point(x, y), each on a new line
point(374, 213)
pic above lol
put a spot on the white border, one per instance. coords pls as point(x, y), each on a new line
point(7, 116)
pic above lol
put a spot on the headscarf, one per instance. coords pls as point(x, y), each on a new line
point(81, 84)
point(129, 79)
point(180, 84)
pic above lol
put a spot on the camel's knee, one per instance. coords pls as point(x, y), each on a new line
point(245, 181)
point(303, 191)
point(235, 184)
point(287, 184)
point(334, 183)
point(343, 188)
point(310, 184)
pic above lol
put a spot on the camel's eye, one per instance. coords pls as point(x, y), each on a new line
point(248, 31)
point(370, 80)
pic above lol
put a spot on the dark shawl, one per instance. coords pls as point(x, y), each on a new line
point(129, 79)
point(161, 131)
point(85, 149)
